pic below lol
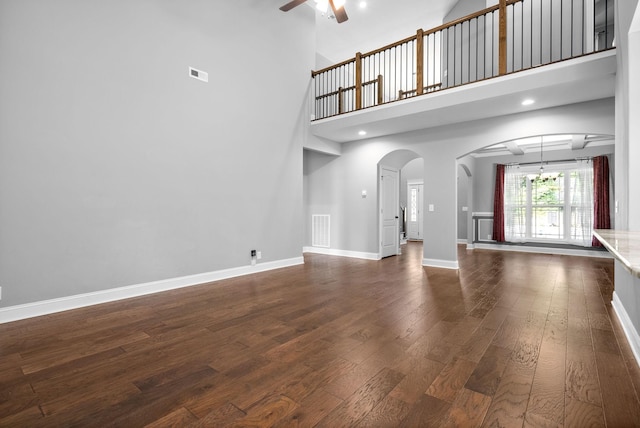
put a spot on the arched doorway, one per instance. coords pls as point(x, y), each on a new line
point(391, 212)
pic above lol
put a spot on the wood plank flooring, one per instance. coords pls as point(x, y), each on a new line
point(509, 340)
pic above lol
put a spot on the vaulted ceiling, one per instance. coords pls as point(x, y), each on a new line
point(379, 23)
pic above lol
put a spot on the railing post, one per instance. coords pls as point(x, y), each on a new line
point(420, 62)
point(358, 72)
point(340, 101)
point(502, 38)
point(380, 88)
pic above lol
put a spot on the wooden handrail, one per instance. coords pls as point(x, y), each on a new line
point(424, 33)
point(331, 67)
point(422, 62)
point(350, 88)
point(469, 17)
point(389, 46)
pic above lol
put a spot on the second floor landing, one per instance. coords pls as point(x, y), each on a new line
point(587, 78)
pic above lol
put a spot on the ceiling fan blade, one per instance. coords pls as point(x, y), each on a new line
point(287, 7)
point(340, 13)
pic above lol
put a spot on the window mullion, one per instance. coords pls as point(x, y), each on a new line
point(529, 210)
point(567, 206)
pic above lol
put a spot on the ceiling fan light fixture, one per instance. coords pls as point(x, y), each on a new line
point(339, 3)
point(322, 5)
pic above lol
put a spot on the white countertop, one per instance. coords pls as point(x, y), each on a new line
point(624, 245)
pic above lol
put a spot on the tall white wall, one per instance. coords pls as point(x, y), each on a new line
point(633, 142)
point(117, 168)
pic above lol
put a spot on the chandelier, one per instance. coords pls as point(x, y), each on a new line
point(543, 176)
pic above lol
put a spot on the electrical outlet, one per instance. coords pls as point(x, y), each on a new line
point(0, 293)
point(259, 255)
point(253, 253)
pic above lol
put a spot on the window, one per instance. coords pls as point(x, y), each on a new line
point(555, 206)
point(413, 212)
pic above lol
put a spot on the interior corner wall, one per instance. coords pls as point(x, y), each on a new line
point(624, 14)
point(463, 8)
point(117, 168)
point(632, 52)
point(320, 190)
point(463, 196)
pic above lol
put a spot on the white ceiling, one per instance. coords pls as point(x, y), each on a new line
point(382, 22)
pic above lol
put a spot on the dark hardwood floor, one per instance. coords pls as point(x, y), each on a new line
point(509, 340)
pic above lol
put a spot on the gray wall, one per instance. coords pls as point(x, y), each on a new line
point(116, 168)
point(627, 111)
point(355, 227)
point(464, 8)
point(463, 195)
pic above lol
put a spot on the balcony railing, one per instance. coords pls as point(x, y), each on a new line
point(512, 36)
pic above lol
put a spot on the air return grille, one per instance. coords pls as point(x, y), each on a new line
point(320, 230)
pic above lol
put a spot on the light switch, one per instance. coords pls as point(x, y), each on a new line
point(364, 193)
point(431, 208)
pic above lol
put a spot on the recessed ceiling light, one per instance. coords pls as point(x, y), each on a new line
point(363, 4)
point(528, 102)
point(362, 133)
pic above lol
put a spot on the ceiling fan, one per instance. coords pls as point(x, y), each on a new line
point(337, 6)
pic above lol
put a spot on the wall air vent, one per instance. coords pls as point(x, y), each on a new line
point(199, 74)
point(320, 230)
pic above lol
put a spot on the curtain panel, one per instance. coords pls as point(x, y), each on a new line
point(498, 205)
point(515, 201)
point(582, 204)
point(601, 212)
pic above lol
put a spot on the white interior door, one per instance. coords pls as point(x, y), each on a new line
point(389, 211)
point(414, 210)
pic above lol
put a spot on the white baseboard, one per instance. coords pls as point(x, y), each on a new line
point(544, 250)
point(462, 241)
point(471, 247)
point(445, 264)
point(628, 327)
point(45, 307)
point(341, 253)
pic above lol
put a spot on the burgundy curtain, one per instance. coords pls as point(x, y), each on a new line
point(601, 213)
point(498, 205)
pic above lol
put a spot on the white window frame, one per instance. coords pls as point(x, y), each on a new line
point(566, 169)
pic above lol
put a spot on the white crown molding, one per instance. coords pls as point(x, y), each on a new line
point(45, 307)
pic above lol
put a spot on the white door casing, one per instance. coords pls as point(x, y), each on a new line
point(389, 211)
